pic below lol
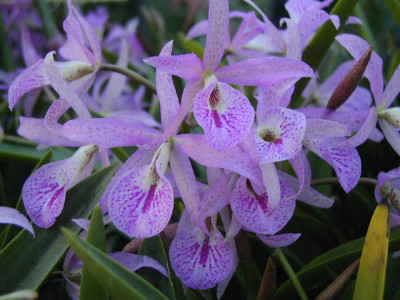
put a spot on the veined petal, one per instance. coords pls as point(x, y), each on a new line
point(310, 21)
point(10, 215)
point(234, 159)
point(55, 111)
point(199, 260)
point(279, 134)
point(280, 240)
point(302, 169)
point(169, 102)
point(277, 94)
point(320, 128)
point(345, 161)
point(31, 78)
point(216, 197)
point(225, 114)
point(141, 202)
point(252, 209)
point(187, 66)
point(217, 34)
point(35, 130)
point(263, 71)
point(357, 47)
point(109, 132)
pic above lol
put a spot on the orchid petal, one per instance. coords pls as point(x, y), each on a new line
point(135, 262)
point(357, 47)
point(310, 21)
point(10, 215)
point(293, 39)
point(392, 135)
point(280, 240)
point(320, 128)
point(55, 111)
point(63, 88)
point(140, 204)
point(280, 134)
point(249, 28)
point(186, 182)
point(302, 169)
point(200, 28)
point(187, 66)
point(200, 261)
point(109, 132)
point(263, 71)
point(169, 102)
point(31, 78)
point(35, 130)
point(392, 89)
point(225, 114)
point(277, 94)
point(217, 34)
point(272, 187)
point(252, 209)
point(28, 49)
point(233, 159)
point(216, 197)
point(345, 161)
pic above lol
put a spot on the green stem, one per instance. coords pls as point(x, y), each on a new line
point(290, 272)
point(131, 74)
point(335, 180)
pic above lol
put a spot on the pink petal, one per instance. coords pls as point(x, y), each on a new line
point(252, 209)
point(278, 94)
point(217, 34)
point(187, 66)
point(141, 202)
point(392, 135)
point(392, 89)
point(280, 134)
point(233, 159)
point(55, 111)
point(28, 48)
point(320, 128)
point(310, 21)
point(249, 28)
point(280, 240)
point(272, 187)
point(225, 114)
point(345, 161)
point(35, 130)
point(187, 185)
point(216, 197)
point(357, 47)
point(293, 39)
point(109, 132)
point(199, 260)
point(63, 88)
point(200, 28)
point(302, 169)
point(10, 215)
point(31, 78)
point(169, 102)
point(263, 71)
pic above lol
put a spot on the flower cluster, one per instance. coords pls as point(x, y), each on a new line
point(251, 142)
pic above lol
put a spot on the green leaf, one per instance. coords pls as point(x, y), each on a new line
point(90, 288)
point(11, 231)
point(116, 279)
point(324, 37)
point(38, 256)
point(370, 283)
point(154, 248)
point(325, 267)
point(191, 45)
point(394, 7)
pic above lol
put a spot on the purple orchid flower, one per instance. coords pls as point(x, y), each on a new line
point(221, 110)
point(44, 191)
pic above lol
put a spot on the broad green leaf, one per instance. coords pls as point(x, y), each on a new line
point(325, 267)
point(191, 46)
point(116, 279)
point(370, 283)
point(394, 7)
point(323, 38)
point(29, 260)
point(90, 288)
point(154, 248)
point(11, 231)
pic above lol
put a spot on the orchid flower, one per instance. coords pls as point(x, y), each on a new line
point(224, 113)
point(44, 191)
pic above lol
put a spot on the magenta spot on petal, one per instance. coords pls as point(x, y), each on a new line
point(278, 141)
point(149, 198)
point(216, 118)
point(56, 195)
point(262, 202)
point(204, 252)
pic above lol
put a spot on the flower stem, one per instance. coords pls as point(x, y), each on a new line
point(131, 74)
point(335, 180)
point(290, 272)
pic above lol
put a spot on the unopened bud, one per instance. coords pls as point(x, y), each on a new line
point(350, 82)
point(391, 115)
point(72, 70)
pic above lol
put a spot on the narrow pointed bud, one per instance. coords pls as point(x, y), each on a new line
point(350, 82)
point(391, 115)
point(72, 70)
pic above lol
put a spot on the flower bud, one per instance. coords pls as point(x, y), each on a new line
point(391, 115)
point(72, 70)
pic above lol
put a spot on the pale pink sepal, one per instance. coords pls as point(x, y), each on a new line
point(392, 135)
point(199, 260)
point(224, 113)
point(10, 215)
point(280, 240)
